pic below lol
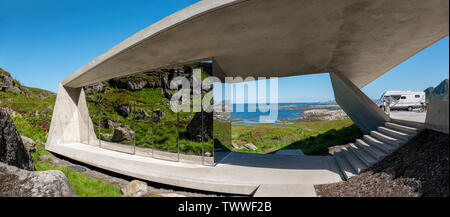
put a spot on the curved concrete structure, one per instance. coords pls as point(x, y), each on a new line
point(362, 39)
point(355, 40)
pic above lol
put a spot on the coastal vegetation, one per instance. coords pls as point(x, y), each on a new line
point(309, 136)
point(31, 110)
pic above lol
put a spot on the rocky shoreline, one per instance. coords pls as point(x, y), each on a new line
point(322, 115)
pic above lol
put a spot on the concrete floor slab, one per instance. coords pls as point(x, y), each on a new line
point(414, 116)
point(239, 173)
point(266, 190)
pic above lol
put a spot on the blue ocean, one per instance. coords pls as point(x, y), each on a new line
point(286, 112)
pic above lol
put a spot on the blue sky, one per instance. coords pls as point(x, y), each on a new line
point(42, 42)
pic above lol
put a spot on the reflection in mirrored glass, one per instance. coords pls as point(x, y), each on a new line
point(143, 120)
point(222, 132)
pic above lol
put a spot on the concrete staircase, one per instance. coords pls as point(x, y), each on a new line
point(372, 148)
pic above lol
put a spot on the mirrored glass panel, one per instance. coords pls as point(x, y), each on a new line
point(165, 131)
point(144, 130)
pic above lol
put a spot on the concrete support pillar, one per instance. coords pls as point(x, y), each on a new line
point(70, 120)
point(362, 110)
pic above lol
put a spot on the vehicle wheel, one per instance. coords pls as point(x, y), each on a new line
point(410, 108)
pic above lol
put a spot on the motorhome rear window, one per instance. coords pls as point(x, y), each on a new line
point(417, 96)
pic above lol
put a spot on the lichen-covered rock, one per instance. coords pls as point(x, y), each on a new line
point(12, 149)
point(15, 182)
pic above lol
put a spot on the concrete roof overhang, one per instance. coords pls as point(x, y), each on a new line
point(362, 39)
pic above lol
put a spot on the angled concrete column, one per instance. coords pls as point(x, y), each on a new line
point(70, 120)
point(362, 110)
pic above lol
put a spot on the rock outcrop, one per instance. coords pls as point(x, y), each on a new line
point(12, 149)
point(8, 83)
point(15, 182)
point(323, 115)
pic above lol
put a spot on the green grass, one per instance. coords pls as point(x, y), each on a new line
point(309, 136)
point(82, 185)
point(35, 111)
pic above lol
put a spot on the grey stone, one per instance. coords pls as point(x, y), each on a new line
point(23, 183)
point(172, 195)
point(135, 188)
point(124, 110)
point(30, 145)
point(12, 149)
point(122, 133)
point(77, 168)
point(98, 87)
point(250, 146)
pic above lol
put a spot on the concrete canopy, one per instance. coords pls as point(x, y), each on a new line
point(362, 39)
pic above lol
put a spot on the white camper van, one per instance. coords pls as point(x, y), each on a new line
point(403, 100)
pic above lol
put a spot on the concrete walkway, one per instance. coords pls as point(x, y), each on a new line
point(239, 173)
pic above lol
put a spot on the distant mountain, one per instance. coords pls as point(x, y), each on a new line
point(438, 92)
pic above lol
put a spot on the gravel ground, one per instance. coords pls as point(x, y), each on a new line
point(418, 169)
point(154, 189)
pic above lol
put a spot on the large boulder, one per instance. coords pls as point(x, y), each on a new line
point(195, 129)
point(122, 133)
point(15, 182)
point(12, 149)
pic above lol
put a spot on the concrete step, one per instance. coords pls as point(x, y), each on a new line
point(402, 128)
point(344, 165)
point(353, 160)
point(395, 134)
point(384, 147)
point(362, 155)
point(371, 149)
point(387, 139)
